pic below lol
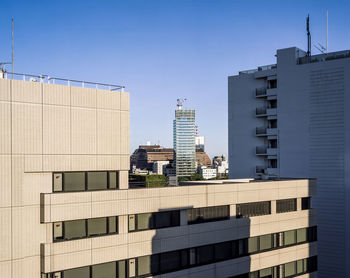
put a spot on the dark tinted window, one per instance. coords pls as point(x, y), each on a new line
point(170, 261)
point(108, 270)
point(205, 254)
point(82, 272)
point(253, 209)
point(74, 229)
point(223, 250)
point(286, 205)
point(201, 215)
point(306, 203)
point(97, 226)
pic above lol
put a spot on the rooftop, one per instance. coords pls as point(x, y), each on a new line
point(60, 81)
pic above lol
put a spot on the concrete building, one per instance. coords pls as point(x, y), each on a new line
point(159, 167)
point(200, 143)
point(145, 156)
point(184, 131)
point(207, 173)
point(66, 210)
point(290, 120)
point(220, 163)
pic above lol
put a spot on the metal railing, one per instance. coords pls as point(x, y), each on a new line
point(62, 81)
point(260, 170)
point(261, 150)
point(324, 57)
point(260, 92)
point(260, 111)
point(260, 130)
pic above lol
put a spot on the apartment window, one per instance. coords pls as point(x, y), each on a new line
point(265, 242)
point(83, 228)
point(301, 235)
point(253, 209)
point(208, 214)
point(107, 270)
point(266, 273)
point(205, 254)
point(312, 234)
point(83, 181)
point(156, 220)
point(253, 245)
point(289, 237)
point(223, 251)
point(272, 163)
point(286, 205)
point(272, 84)
point(290, 269)
point(301, 266)
point(272, 124)
point(242, 247)
point(305, 203)
point(273, 143)
point(170, 261)
point(82, 272)
point(148, 265)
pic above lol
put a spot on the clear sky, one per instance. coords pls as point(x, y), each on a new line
point(162, 50)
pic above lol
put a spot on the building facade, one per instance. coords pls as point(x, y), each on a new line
point(159, 167)
point(290, 120)
point(207, 173)
point(184, 132)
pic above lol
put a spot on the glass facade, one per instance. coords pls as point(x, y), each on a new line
point(184, 142)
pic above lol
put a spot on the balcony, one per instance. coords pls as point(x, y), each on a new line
point(260, 112)
point(260, 92)
point(260, 170)
point(262, 150)
point(271, 151)
point(271, 111)
point(261, 131)
point(271, 131)
point(272, 171)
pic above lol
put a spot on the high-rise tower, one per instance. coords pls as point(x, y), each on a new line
point(184, 140)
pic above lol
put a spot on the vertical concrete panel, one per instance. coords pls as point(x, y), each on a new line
point(56, 94)
point(5, 269)
point(83, 97)
point(5, 181)
point(124, 133)
point(123, 180)
point(26, 91)
point(108, 100)
point(5, 234)
point(26, 128)
point(56, 130)
point(83, 131)
point(17, 179)
point(124, 101)
point(108, 132)
point(5, 127)
point(5, 93)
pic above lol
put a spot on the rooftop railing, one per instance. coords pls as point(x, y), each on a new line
point(61, 81)
point(324, 57)
point(267, 67)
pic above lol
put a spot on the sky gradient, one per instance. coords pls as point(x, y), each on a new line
point(164, 50)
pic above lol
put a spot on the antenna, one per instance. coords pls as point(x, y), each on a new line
point(180, 102)
point(320, 48)
point(13, 66)
point(327, 33)
point(308, 36)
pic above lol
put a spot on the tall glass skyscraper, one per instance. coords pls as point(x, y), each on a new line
point(184, 142)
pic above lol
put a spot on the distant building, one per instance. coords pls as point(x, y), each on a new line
point(200, 143)
point(184, 131)
point(159, 167)
point(207, 173)
point(220, 163)
point(145, 156)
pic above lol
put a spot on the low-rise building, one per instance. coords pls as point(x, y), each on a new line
point(207, 173)
point(159, 167)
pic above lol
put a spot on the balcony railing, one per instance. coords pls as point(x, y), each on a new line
point(261, 150)
point(260, 170)
point(260, 131)
point(260, 111)
point(260, 92)
point(62, 81)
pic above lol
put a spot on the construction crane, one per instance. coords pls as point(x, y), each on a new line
point(180, 102)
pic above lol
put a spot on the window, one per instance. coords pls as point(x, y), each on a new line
point(286, 205)
point(223, 251)
point(82, 272)
point(156, 220)
point(74, 181)
point(97, 226)
point(302, 266)
point(107, 270)
point(289, 237)
point(148, 265)
point(312, 234)
point(242, 247)
point(253, 209)
point(305, 203)
point(121, 269)
point(290, 269)
point(253, 245)
point(82, 181)
point(170, 261)
point(301, 235)
point(265, 242)
point(96, 180)
point(265, 273)
point(205, 254)
point(202, 215)
point(84, 228)
point(74, 229)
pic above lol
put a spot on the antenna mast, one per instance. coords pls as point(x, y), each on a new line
point(308, 36)
point(12, 50)
point(180, 103)
point(327, 33)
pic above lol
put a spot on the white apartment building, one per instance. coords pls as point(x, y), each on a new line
point(159, 167)
point(207, 173)
point(290, 120)
point(66, 210)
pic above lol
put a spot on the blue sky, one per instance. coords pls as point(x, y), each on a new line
point(164, 49)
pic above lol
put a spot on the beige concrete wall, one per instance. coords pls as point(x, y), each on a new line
point(45, 128)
